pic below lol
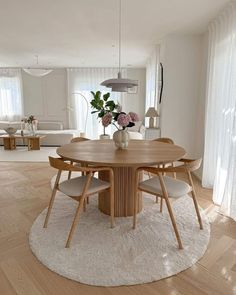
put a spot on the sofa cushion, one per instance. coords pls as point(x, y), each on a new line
point(49, 126)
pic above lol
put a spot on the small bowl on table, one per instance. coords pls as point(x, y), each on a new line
point(10, 131)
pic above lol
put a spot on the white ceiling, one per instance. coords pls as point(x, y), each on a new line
point(84, 33)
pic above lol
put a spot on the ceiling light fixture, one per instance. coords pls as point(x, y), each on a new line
point(36, 71)
point(119, 84)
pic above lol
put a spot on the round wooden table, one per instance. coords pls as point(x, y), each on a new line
point(124, 163)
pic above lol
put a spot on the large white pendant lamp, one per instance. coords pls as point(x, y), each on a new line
point(36, 71)
point(119, 84)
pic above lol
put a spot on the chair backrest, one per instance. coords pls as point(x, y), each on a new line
point(78, 139)
point(59, 164)
point(193, 165)
point(188, 166)
point(164, 139)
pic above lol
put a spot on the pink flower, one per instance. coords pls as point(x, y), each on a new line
point(123, 120)
point(35, 122)
point(134, 117)
point(106, 119)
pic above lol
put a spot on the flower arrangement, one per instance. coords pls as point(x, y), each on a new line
point(30, 120)
point(111, 113)
point(32, 124)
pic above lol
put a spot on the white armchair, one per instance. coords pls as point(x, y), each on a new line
point(137, 131)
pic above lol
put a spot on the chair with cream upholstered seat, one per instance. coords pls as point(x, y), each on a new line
point(79, 189)
point(170, 141)
point(74, 140)
point(168, 187)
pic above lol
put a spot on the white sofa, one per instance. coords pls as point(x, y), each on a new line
point(54, 133)
point(137, 131)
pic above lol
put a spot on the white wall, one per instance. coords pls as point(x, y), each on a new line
point(45, 97)
point(182, 108)
point(136, 102)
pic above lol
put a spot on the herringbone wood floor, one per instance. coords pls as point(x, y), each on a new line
point(24, 193)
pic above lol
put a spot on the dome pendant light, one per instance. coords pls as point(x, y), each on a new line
point(37, 72)
point(119, 84)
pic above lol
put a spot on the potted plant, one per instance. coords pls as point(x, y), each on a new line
point(104, 107)
point(111, 113)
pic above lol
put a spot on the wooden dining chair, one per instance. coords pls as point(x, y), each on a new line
point(75, 140)
point(164, 140)
point(79, 189)
point(168, 187)
point(170, 141)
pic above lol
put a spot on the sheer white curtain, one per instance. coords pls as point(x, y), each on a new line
point(84, 80)
point(11, 102)
point(219, 169)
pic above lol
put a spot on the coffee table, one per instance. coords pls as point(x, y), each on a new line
point(33, 142)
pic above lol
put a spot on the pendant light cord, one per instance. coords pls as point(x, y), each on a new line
point(119, 39)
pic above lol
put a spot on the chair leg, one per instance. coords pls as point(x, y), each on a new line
point(165, 195)
point(161, 205)
point(156, 198)
point(75, 222)
point(50, 207)
point(197, 210)
point(195, 201)
point(69, 173)
point(174, 223)
point(84, 205)
point(87, 200)
point(78, 210)
point(52, 199)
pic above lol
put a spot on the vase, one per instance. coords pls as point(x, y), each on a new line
point(31, 128)
point(121, 139)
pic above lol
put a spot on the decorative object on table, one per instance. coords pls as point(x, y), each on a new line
point(151, 114)
point(104, 107)
point(31, 121)
point(122, 259)
point(121, 136)
point(37, 71)
point(10, 130)
point(111, 113)
point(119, 84)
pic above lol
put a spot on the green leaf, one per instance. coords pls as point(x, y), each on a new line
point(106, 96)
point(98, 94)
point(92, 93)
point(110, 103)
point(101, 114)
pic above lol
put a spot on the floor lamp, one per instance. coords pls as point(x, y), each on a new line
point(83, 134)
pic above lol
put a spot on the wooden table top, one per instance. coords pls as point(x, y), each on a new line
point(138, 153)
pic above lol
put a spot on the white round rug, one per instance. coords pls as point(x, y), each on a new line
point(103, 256)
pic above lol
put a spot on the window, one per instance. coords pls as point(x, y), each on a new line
point(10, 95)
